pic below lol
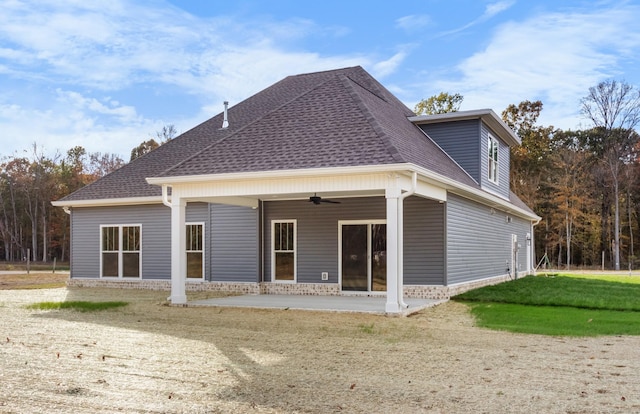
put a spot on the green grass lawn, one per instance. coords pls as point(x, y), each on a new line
point(571, 305)
point(82, 306)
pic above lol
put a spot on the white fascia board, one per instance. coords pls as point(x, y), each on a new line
point(488, 116)
point(309, 172)
point(108, 202)
point(475, 194)
point(233, 201)
point(429, 176)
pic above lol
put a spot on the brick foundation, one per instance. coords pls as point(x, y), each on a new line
point(317, 289)
point(267, 288)
point(463, 287)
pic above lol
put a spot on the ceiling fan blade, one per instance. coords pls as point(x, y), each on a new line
point(316, 199)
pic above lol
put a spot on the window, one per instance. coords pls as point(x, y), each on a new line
point(284, 250)
point(195, 250)
point(493, 159)
point(120, 246)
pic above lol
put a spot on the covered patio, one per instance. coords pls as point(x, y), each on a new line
point(345, 304)
point(394, 182)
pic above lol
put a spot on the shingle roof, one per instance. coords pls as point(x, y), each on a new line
point(348, 119)
point(337, 118)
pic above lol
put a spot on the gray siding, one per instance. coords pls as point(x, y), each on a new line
point(234, 244)
point(424, 235)
point(504, 156)
point(156, 241)
point(197, 212)
point(317, 231)
point(460, 140)
point(479, 241)
point(85, 244)
point(156, 236)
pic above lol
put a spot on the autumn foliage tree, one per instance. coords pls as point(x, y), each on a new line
point(29, 224)
point(580, 181)
point(614, 109)
point(28, 184)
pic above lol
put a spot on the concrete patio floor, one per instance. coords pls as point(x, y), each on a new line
point(347, 303)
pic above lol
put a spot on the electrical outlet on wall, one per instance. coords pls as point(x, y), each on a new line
point(325, 275)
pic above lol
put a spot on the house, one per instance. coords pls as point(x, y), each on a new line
point(323, 183)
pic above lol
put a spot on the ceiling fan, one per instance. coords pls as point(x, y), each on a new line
point(315, 199)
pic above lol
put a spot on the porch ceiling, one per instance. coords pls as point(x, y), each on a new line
point(251, 200)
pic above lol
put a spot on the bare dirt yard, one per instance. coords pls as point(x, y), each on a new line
point(33, 280)
point(148, 357)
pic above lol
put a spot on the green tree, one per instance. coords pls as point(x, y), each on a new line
point(442, 103)
point(530, 161)
point(531, 167)
point(166, 134)
point(144, 148)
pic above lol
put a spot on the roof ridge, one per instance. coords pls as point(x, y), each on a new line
point(393, 151)
point(376, 93)
point(324, 72)
point(242, 128)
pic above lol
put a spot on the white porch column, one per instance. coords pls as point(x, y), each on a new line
point(178, 251)
point(392, 195)
point(400, 251)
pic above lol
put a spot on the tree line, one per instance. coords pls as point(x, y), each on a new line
point(30, 227)
point(585, 183)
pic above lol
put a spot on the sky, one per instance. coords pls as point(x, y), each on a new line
point(109, 74)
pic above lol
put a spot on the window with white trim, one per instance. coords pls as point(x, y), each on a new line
point(283, 263)
point(493, 159)
point(195, 250)
point(120, 250)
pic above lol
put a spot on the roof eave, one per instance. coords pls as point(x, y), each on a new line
point(476, 194)
point(186, 179)
point(448, 183)
point(488, 116)
point(108, 202)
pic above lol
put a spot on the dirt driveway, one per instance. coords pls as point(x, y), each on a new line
point(151, 358)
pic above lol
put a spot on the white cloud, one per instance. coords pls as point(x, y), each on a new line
point(124, 114)
point(73, 120)
point(413, 22)
point(389, 66)
point(490, 11)
point(496, 8)
point(79, 53)
point(553, 57)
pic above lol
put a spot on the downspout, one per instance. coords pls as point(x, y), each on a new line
point(165, 195)
point(166, 202)
point(412, 190)
point(534, 259)
point(261, 243)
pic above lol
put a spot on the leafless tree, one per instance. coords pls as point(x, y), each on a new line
point(614, 109)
